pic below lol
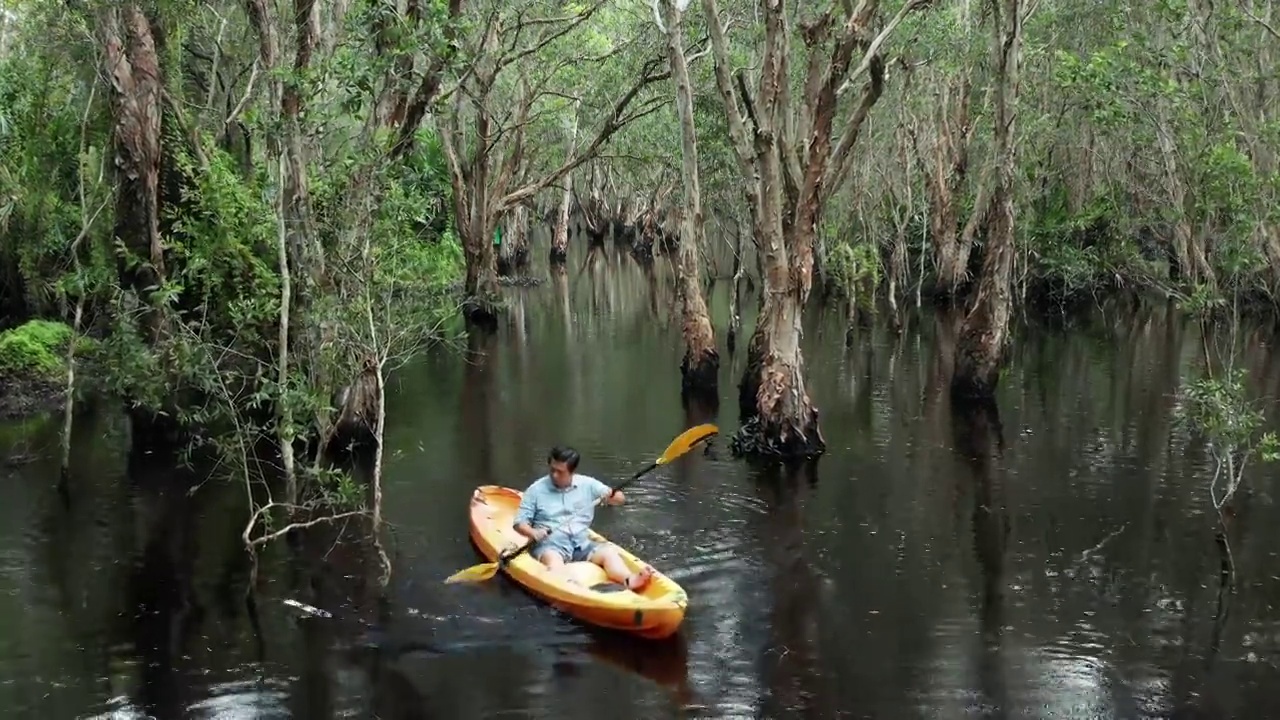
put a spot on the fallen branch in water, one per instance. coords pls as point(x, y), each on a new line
point(1085, 555)
point(252, 542)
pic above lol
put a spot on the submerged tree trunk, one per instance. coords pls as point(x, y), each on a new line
point(560, 241)
point(513, 252)
point(980, 350)
point(945, 166)
point(480, 285)
point(701, 364)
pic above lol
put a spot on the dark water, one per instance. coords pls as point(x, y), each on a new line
point(1056, 561)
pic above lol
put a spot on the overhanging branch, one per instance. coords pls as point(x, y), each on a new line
point(614, 122)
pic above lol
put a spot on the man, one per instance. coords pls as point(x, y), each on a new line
point(556, 512)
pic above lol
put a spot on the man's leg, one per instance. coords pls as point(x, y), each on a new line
point(551, 556)
point(607, 557)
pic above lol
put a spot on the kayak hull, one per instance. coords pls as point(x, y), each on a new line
point(656, 612)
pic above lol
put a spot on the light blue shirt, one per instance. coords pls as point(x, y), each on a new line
point(569, 511)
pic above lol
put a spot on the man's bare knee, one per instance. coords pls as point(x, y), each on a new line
point(551, 559)
point(602, 554)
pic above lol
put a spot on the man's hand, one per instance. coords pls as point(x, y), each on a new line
point(535, 534)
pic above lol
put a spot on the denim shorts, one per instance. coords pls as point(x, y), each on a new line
point(569, 548)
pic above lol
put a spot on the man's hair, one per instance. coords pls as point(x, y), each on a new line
point(566, 455)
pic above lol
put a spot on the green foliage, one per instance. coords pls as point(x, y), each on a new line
point(853, 268)
point(36, 349)
point(1219, 409)
point(202, 349)
point(224, 259)
point(41, 168)
point(1180, 105)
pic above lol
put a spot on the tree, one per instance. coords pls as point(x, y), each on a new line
point(983, 339)
point(791, 162)
point(701, 364)
point(519, 59)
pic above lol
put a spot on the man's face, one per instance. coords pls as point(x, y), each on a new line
point(561, 475)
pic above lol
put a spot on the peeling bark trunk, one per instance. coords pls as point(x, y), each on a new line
point(945, 167)
point(902, 209)
point(595, 210)
point(735, 296)
point(513, 254)
point(481, 282)
point(1192, 262)
point(474, 209)
point(357, 418)
point(779, 417)
point(700, 367)
point(560, 241)
point(133, 67)
point(984, 337)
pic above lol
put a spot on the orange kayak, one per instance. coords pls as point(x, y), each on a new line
point(580, 589)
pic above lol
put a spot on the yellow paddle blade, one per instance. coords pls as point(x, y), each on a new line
point(475, 573)
point(686, 440)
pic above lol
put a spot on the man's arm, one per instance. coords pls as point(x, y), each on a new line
point(524, 517)
point(609, 495)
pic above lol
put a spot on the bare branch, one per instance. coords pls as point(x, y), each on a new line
point(1265, 25)
point(873, 50)
point(550, 38)
point(614, 122)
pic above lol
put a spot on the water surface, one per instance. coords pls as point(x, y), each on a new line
point(1056, 560)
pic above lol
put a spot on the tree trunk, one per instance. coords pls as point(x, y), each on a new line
point(481, 285)
point(299, 255)
point(513, 253)
point(701, 365)
point(980, 350)
point(779, 418)
point(133, 67)
point(735, 295)
point(560, 241)
point(945, 167)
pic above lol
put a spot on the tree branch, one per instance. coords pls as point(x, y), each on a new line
point(873, 50)
point(614, 122)
point(429, 86)
point(737, 128)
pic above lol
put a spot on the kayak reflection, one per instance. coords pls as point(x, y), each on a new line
point(664, 663)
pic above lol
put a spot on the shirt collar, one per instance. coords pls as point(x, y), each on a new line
point(573, 484)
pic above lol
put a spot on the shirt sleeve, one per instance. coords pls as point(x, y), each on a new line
point(528, 506)
point(599, 489)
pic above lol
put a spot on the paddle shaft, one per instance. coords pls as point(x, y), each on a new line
point(506, 558)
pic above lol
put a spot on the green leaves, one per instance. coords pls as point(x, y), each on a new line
point(34, 349)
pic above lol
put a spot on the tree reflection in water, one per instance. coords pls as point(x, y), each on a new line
point(161, 597)
point(979, 443)
point(791, 664)
point(476, 408)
